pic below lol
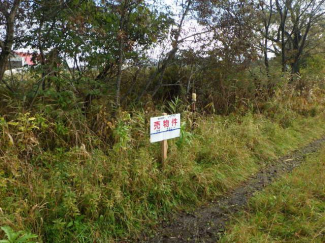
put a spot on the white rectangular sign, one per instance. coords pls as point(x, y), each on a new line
point(165, 127)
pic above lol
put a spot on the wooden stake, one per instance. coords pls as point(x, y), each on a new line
point(164, 150)
point(193, 109)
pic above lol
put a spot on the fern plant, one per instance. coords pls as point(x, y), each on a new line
point(17, 236)
point(174, 106)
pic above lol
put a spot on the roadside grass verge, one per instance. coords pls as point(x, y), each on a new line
point(290, 210)
point(59, 180)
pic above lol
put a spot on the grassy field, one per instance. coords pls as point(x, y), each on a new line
point(59, 181)
point(290, 210)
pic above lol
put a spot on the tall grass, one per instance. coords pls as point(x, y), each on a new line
point(68, 177)
point(290, 210)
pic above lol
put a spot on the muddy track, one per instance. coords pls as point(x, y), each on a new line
point(207, 223)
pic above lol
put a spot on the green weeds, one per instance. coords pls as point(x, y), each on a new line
point(290, 210)
point(16, 237)
point(66, 177)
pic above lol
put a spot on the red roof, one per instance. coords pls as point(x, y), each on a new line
point(27, 57)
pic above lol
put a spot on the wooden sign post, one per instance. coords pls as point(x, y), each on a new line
point(163, 128)
point(193, 110)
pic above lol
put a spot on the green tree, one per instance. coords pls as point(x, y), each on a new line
point(8, 18)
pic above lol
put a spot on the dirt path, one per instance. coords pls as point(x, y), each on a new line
point(207, 223)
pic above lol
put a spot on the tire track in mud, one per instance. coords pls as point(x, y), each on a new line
point(208, 223)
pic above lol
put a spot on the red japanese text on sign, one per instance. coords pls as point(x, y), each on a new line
point(174, 122)
point(157, 125)
point(166, 123)
point(164, 127)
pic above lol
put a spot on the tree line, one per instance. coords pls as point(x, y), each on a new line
point(221, 49)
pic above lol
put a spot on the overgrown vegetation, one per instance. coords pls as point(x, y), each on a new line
point(65, 181)
point(290, 210)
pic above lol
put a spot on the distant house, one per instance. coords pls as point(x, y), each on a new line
point(19, 60)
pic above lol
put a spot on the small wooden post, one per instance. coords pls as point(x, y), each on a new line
point(164, 149)
point(193, 101)
point(193, 108)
